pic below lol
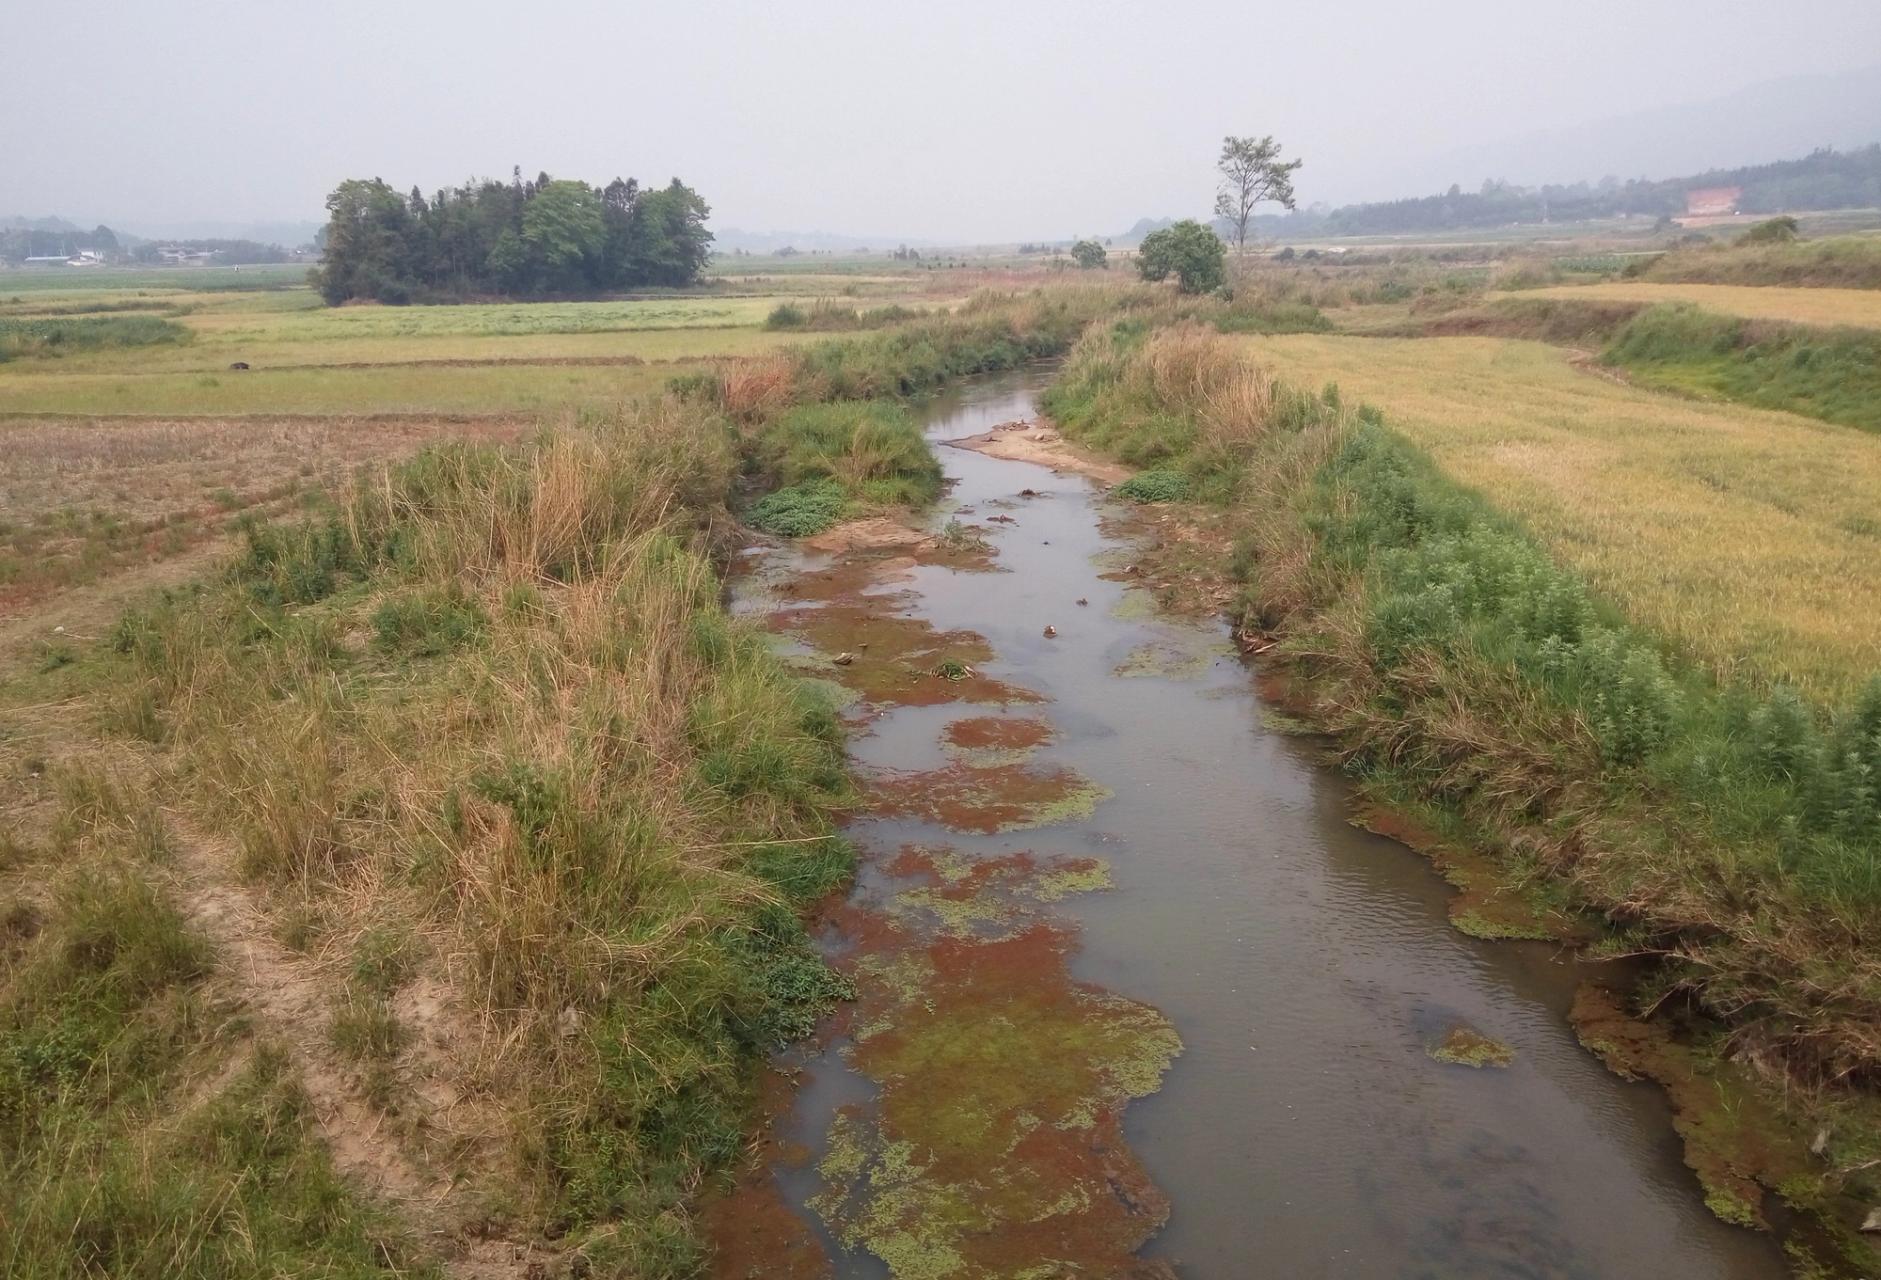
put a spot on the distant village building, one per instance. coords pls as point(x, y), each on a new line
point(1712, 202)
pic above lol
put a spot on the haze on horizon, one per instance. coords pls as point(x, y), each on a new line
point(976, 122)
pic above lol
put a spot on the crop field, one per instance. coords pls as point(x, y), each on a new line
point(65, 279)
point(1753, 539)
point(1860, 308)
point(303, 358)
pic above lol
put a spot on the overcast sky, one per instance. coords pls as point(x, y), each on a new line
point(958, 121)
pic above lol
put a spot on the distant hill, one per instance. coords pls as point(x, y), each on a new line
point(1788, 117)
point(55, 225)
point(1146, 225)
point(730, 239)
point(1823, 179)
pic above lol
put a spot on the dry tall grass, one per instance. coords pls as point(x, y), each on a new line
point(513, 725)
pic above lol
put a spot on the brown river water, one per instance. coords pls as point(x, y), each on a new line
point(1134, 995)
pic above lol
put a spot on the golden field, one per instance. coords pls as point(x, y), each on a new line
point(1860, 308)
point(1752, 539)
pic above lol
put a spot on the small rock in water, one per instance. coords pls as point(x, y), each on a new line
point(1082, 600)
point(843, 659)
point(1050, 632)
point(1028, 493)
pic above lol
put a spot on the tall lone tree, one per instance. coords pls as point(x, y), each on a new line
point(1252, 173)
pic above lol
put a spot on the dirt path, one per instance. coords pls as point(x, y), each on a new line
point(83, 613)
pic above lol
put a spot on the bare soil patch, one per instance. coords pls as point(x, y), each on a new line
point(1041, 443)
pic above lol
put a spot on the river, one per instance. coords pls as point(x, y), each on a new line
point(1174, 854)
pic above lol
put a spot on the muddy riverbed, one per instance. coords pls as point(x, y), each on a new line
point(1134, 996)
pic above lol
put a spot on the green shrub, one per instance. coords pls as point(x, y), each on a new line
point(785, 316)
point(799, 510)
point(1778, 230)
point(1154, 486)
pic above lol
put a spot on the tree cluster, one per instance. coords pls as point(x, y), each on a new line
point(226, 252)
point(519, 239)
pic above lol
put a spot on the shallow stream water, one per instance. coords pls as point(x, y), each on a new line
point(1308, 967)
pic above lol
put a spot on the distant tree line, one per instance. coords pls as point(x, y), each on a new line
point(551, 236)
point(230, 252)
point(1824, 179)
point(20, 243)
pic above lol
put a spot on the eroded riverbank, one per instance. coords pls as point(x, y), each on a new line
point(1082, 851)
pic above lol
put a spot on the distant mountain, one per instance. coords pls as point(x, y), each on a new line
point(1789, 117)
point(17, 223)
point(729, 239)
point(1146, 225)
point(1821, 180)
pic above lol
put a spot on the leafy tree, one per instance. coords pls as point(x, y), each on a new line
point(563, 236)
point(670, 245)
point(1252, 173)
point(1189, 251)
point(369, 251)
point(1089, 254)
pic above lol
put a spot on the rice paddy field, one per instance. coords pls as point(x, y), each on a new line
point(498, 358)
point(1750, 538)
point(1860, 308)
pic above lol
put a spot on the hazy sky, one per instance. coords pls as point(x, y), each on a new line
point(953, 120)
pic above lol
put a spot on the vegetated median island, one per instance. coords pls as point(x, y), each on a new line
point(425, 889)
point(1727, 827)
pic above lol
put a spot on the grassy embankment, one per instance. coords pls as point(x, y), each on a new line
point(1729, 826)
point(456, 814)
point(1831, 374)
point(1831, 262)
point(1658, 337)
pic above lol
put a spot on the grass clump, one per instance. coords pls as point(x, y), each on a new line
point(425, 624)
point(835, 458)
point(1162, 485)
point(799, 510)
